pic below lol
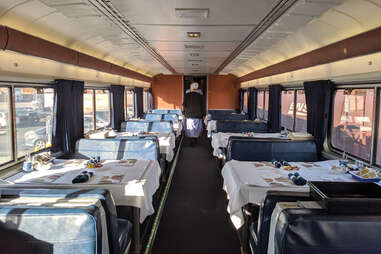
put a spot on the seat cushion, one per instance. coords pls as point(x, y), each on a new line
point(124, 234)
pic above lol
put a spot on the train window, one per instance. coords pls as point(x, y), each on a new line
point(34, 114)
point(301, 111)
point(266, 111)
point(5, 126)
point(102, 108)
point(145, 100)
point(129, 103)
point(88, 110)
point(245, 101)
point(260, 106)
point(287, 118)
point(351, 129)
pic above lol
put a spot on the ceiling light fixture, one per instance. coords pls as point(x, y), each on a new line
point(194, 54)
point(194, 34)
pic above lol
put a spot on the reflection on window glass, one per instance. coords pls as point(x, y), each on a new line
point(130, 108)
point(266, 111)
point(260, 104)
point(103, 111)
point(5, 126)
point(287, 118)
point(34, 113)
point(352, 121)
point(301, 111)
point(245, 101)
point(88, 110)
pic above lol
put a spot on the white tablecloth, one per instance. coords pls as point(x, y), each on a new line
point(178, 128)
point(167, 142)
point(248, 182)
point(211, 126)
point(131, 182)
point(220, 139)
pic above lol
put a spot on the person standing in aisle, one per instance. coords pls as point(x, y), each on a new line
point(193, 112)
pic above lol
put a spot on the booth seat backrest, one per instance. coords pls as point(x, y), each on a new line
point(139, 148)
point(50, 230)
point(147, 126)
point(104, 196)
point(153, 117)
point(266, 210)
point(171, 117)
point(222, 111)
point(161, 126)
point(175, 111)
point(160, 111)
point(135, 126)
point(232, 116)
point(313, 231)
point(257, 149)
point(240, 126)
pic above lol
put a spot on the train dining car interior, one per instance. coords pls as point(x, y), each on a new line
point(187, 126)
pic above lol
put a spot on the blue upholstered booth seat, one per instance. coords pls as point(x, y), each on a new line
point(259, 231)
point(160, 111)
point(240, 126)
point(119, 230)
point(50, 230)
point(313, 231)
point(175, 111)
point(118, 149)
point(171, 117)
point(167, 111)
point(153, 117)
point(147, 126)
point(256, 149)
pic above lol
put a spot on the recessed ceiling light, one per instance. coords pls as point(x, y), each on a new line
point(194, 46)
point(194, 54)
point(194, 34)
point(202, 13)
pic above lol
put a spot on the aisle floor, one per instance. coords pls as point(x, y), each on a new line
point(195, 219)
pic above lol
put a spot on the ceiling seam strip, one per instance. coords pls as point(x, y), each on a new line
point(118, 19)
point(281, 7)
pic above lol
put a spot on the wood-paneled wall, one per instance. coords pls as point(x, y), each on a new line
point(223, 92)
point(167, 91)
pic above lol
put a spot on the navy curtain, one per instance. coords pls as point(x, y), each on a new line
point(150, 99)
point(252, 103)
point(117, 104)
point(68, 109)
point(138, 102)
point(275, 108)
point(240, 99)
point(318, 100)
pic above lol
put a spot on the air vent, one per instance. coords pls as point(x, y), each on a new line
point(193, 13)
point(194, 64)
point(194, 60)
point(194, 46)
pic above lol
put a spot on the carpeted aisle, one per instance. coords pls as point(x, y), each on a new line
point(195, 219)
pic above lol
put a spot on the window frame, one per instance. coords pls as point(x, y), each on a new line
point(376, 87)
point(263, 103)
point(11, 85)
point(95, 107)
point(294, 110)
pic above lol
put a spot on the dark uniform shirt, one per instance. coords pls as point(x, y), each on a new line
point(193, 105)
